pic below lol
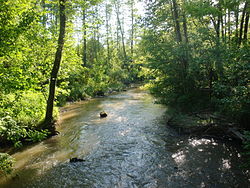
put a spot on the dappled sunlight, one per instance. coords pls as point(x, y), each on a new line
point(197, 142)
point(226, 164)
point(179, 157)
point(124, 132)
point(120, 119)
point(202, 185)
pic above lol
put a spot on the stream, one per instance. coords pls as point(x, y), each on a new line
point(131, 148)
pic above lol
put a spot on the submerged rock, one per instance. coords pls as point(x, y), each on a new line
point(74, 160)
point(103, 114)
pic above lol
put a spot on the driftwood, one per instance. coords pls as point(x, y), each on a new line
point(237, 134)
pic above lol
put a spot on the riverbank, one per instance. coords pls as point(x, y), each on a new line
point(64, 109)
point(205, 124)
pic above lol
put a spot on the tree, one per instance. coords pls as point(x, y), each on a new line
point(56, 66)
point(195, 65)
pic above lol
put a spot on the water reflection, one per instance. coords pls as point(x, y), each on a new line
point(132, 147)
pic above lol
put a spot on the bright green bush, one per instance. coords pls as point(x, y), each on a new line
point(20, 114)
point(26, 108)
point(6, 164)
point(16, 134)
point(9, 130)
point(30, 108)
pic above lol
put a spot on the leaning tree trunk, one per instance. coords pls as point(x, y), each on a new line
point(49, 122)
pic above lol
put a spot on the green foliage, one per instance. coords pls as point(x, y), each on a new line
point(15, 19)
point(17, 133)
point(37, 136)
point(207, 69)
point(6, 164)
point(26, 108)
point(201, 8)
point(21, 113)
point(10, 131)
point(29, 109)
point(231, 93)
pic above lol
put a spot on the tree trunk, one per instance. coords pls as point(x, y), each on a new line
point(185, 31)
point(185, 27)
point(237, 23)
point(229, 24)
point(246, 26)
point(84, 57)
point(216, 26)
point(242, 24)
point(48, 122)
point(176, 20)
point(96, 35)
point(117, 36)
point(222, 27)
point(121, 31)
point(132, 29)
point(107, 33)
point(219, 23)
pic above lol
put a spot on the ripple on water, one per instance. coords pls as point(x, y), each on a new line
point(132, 147)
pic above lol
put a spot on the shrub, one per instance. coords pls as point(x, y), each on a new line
point(29, 109)
point(9, 130)
point(6, 164)
point(16, 133)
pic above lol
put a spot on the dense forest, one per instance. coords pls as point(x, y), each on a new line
point(193, 55)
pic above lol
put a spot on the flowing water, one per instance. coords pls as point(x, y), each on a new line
point(132, 147)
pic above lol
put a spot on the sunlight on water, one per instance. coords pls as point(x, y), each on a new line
point(123, 133)
point(131, 147)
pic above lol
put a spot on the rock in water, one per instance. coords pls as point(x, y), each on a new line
point(74, 160)
point(103, 114)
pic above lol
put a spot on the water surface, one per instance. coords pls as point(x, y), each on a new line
point(132, 147)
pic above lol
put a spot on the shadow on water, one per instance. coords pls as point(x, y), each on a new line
point(132, 147)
